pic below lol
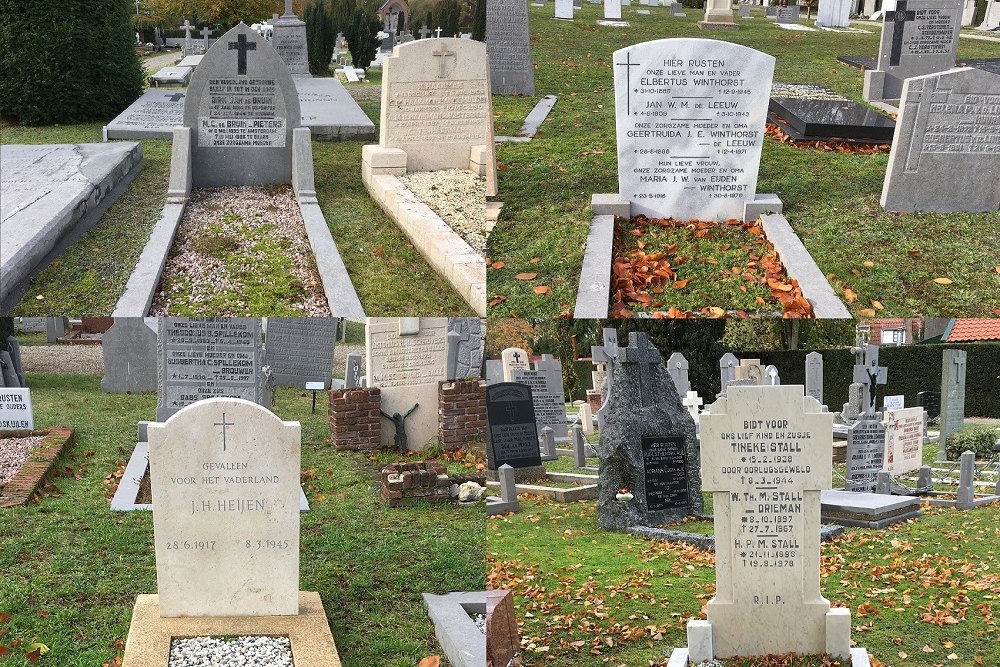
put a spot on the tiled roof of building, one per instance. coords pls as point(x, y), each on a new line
point(973, 329)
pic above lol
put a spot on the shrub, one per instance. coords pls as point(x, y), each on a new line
point(977, 438)
point(65, 62)
point(362, 36)
point(321, 36)
point(479, 21)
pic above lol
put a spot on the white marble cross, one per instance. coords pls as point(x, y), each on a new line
point(439, 31)
point(693, 403)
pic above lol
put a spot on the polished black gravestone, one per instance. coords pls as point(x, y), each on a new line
point(664, 465)
point(869, 62)
point(930, 401)
point(815, 113)
point(511, 433)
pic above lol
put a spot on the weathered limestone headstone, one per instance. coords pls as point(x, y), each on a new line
point(514, 359)
point(406, 358)
point(188, 44)
point(613, 10)
point(677, 9)
point(834, 14)
point(130, 352)
point(953, 370)
point(512, 434)
point(289, 40)
point(690, 117)
point(15, 409)
point(352, 371)
point(904, 439)
point(718, 14)
point(677, 368)
point(766, 454)
point(301, 349)
point(242, 107)
point(945, 152)
point(991, 18)
point(508, 45)
point(225, 473)
point(648, 444)
point(587, 418)
point(814, 376)
point(865, 454)
point(547, 392)
point(918, 37)
point(208, 358)
point(564, 9)
point(752, 370)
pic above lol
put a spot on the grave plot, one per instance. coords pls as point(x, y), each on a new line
point(689, 149)
point(813, 113)
point(26, 457)
point(241, 128)
point(436, 121)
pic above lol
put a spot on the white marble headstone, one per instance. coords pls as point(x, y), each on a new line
point(514, 358)
point(15, 409)
point(904, 439)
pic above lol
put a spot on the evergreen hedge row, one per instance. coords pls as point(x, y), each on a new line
point(65, 61)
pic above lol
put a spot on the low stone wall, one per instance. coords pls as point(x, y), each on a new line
point(462, 405)
point(355, 423)
point(407, 481)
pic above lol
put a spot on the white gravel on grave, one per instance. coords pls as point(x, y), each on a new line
point(245, 651)
point(459, 197)
point(78, 359)
point(230, 211)
point(480, 621)
point(13, 453)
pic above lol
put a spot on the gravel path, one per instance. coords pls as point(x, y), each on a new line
point(13, 453)
point(459, 197)
point(218, 246)
point(76, 359)
point(247, 651)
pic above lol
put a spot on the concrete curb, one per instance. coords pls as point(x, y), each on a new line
point(141, 287)
point(460, 638)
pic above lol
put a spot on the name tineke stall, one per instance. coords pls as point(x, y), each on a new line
point(434, 164)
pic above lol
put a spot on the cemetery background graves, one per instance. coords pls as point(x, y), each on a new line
point(355, 550)
point(894, 264)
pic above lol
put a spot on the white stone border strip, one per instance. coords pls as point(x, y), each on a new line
point(533, 121)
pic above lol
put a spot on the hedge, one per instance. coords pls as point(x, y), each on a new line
point(67, 61)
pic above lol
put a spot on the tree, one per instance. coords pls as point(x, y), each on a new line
point(321, 36)
point(479, 21)
point(64, 62)
point(362, 36)
point(224, 12)
point(508, 332)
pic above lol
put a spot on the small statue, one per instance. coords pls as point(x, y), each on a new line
point(399, 421)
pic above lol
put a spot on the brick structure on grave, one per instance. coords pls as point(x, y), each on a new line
point(594, 398)
point(21, 488)
point(422, 479)
point(462, 419)
point(355, 422)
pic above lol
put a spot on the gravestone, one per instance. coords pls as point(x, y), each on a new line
point(648, 444)
point(727, 371)
point(870, 375)
point(718, 14)
point(206, 34)
point(897, 402)
point(814, 376)
point(225, 473)
point(693, 402)
point(834, 13)
point(969, 12)
point(677, 368)
point(130, 353)
point(681, 152)
point(771, 376)
point(587, 418)
point(612, 10)
point(918, 37)
point(436, 103)
point(865, 454)
point(212, 357)
point(15, 409)
point(991, 18)
point(494, 371)
point(514, 359)
point(289, 40)
point(745, 12)
point(8, 376)
point(508, 45)
point(788, 14)
point(512, 433)
point(677, 9)
point(152, 116)
point(606, 354)
point(751, 370)
point(904, 440)
point(406, 358)
point(945, 152)
point(547, 393)
point(242, 107)
point(188, 44)
point(352, 371)
point(808, 112)
point(564, 9)
point(930, 401)
point(953, 370)
point(771, 12)
point(766, 454)
point(17, 364)
point(466, 347)
point(301, 349)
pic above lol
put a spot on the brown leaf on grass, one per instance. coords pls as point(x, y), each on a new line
point(5, 616)
point(498, 265)
point(430, 661)
point(943, 281)
point(4, 651)
point(850, 295)
point(878, 305)
point(681, 284)
point(33, 656)
point(997, 269)
point(42, 613)
point(542, 289)
point(866, 312)
point(913, 253)
point(497, 300)
point(526, 276)
point(534, 260)
point(868, 263)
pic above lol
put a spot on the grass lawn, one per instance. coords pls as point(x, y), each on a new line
point(922, 594)
point(830, 199)
point(390, 276)
point(72, 568)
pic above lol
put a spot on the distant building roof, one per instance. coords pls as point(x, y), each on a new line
point(968, 329)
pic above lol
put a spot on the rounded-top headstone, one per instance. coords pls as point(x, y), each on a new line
point(242, 106)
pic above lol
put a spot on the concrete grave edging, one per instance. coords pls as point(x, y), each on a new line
point(460, 638)
point(532, 121)
point(21, 488)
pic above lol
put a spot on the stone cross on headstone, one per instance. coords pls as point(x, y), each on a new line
point(870, 375)
point(641, 351)
point(693, 402)
point(677, 368)
point(443, 54)
point(187, 37)
point(899, 17)
point(628, 65)
point(206, 32)
point(814, 375)
point(241, 46)
point(771, 375)
point(439, 31)
point(176, 97)
point(288, 8)
point(424, 32)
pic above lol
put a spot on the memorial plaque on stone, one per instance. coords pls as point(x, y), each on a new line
point(508, 45)
point(690, 116)
point(206, 358)
point(946, 150)
point(15, 409)
point(664, 465)
point(918, 37)
point(352, 371)
point(766, 452)
point(788, 14)
point(550, 406)
point(865, 455)
point(897, 402)
point(512, 435)
point(953, 370)
point(152, 116)
point(904, 440)
point(225, 474)
point(301, 349)
point(242, 105)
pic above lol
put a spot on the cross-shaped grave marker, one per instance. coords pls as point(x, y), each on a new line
point(443, 54)
point(176, 97)
point(870, 375)
point(439, 31)
point(641, 351)
point(424, 32)
point(693, 402)
point(242, 46)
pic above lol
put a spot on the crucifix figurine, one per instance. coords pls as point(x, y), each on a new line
point(399, 421)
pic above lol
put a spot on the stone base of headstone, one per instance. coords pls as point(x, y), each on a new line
point(723, 20)
point(681, 657)
point(867, 510)
point(460, 638)
point(150, 635)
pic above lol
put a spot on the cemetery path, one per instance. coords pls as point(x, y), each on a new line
point(158, 62)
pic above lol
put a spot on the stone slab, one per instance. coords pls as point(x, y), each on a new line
point(149, 635)
point(594, 293)
point(153, 116)
point(301, 349)
point(140, 290)
point(460, 638)
point(50, 194)
point(179, 76)
point(813, 112)
point(330, 112)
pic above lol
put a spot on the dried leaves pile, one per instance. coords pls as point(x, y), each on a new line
point(828, 145)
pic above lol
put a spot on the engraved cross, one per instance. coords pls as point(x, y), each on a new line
point(224, 424)
point(242, 46)
point(443, 54)
point(899, 17)
point(628, 65)
point(177, 97)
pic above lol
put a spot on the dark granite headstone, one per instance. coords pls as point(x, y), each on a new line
point(511, 435)
point(810, 113)
point(930, 401)
point(301, 349)
point(664, 464)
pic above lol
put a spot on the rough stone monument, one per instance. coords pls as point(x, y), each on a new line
point(289, 40)
point(953, 370)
